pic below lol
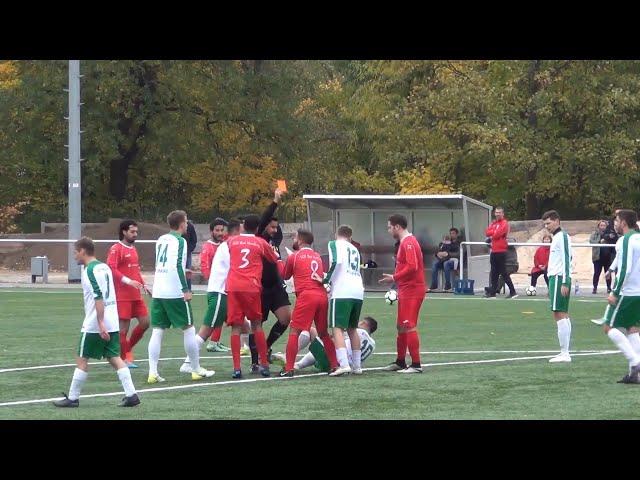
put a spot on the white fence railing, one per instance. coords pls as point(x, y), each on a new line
point(523, 244)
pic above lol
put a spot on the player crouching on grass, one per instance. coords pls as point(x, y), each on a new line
point(409, 275)
point(100, 327)
point(305, 266)
point(623, 310)
point(317, 354)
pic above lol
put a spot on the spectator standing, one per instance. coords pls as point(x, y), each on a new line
point(496, 234)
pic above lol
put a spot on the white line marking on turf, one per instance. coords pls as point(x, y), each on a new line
point(228, 357)
point(253, 380)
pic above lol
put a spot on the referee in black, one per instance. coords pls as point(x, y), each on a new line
point(274, 294)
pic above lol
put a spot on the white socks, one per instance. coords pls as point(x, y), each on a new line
point(79, 377)
point(564, 334)
point(307, 360)
point(303, 340)
point(199, 343)
point(625, 346)
point(125, 379)
point(192, 348)
point(155, 342)
point(634, 340)
point(343, 359)
point(355, 356)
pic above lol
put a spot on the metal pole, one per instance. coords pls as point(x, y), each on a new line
point(75, 220)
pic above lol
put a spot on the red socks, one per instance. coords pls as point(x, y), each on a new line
point(401, 344)
point(124, 345)
point(413, 342)
point(292, 351)
point(135, 337)
point(215, 335)
point(330, 349)
point(261, 344)
point(235, 351)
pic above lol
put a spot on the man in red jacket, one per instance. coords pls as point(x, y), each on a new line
point(496, 234)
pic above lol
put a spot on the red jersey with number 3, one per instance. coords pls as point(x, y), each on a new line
point(409, 274)
point(305, 266)
point(245, 258)
point(123, 261)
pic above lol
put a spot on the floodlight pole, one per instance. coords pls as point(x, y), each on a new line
point(75, 185)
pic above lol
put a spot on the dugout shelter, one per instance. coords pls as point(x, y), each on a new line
point(429, 218)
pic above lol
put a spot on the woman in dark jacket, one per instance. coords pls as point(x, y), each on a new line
point(601, 257)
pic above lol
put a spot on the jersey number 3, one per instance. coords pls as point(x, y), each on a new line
point(245, 260)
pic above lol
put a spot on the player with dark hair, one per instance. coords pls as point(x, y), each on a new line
point(275, 298)
point(305, 266)
point(124, 264)
point(244, 289)
point(409, 276)
point(624, 301)
point(217, 304)
point(559, 273)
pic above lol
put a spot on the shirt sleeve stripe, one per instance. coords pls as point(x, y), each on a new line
point(97, 293)
point(181, 275)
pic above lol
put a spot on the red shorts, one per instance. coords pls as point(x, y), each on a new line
point(409, 311)
point(308, 309)
point(128, 309)
point(243, 304)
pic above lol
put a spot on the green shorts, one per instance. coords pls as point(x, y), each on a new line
point(93, 346)
point(171, 312)
point(344, 312)
point(625, 314)
point(216, 310)
point(317, 350)
point(557, 302)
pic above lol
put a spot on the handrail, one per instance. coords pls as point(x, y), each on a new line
point(523, 244)
point(61, 240)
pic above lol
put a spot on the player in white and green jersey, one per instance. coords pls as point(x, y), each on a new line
point(100, 327)
point(171, 304)
point(317, 356)
point(559, 273)
point(623, 310)
point(345, 304)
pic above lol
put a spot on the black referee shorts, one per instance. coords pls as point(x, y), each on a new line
point(272, 299)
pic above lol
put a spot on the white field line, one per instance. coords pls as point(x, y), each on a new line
point(228, 357)
point(253, 380)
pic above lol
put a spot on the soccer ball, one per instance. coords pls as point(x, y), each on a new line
point(391, 297)
point(531, 291)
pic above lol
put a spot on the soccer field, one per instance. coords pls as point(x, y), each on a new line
point(484, 359)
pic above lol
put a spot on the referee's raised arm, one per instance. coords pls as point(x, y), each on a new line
point(268, 213)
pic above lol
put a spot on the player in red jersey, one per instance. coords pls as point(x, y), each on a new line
point(409, 276)
point(305, 266)
point(244, 289)
point(128, 282)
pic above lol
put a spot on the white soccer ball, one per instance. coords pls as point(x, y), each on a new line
point(391, 297)
point(531, 291)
